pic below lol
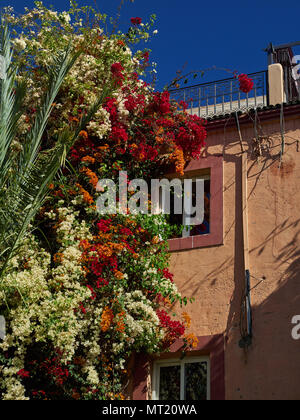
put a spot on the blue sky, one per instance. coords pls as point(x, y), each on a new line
point(198, 34)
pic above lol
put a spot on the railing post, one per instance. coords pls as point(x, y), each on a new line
point(266, 84)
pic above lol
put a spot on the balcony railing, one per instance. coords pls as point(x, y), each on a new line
point(223, 96)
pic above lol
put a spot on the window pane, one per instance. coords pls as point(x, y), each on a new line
point(204, 228)
point(169, 387)
point(177, 221)
point(195, 381)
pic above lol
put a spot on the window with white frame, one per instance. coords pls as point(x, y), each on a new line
point(180, 221)
point(186, 380)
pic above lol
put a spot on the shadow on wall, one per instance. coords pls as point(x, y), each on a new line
point(271, 369)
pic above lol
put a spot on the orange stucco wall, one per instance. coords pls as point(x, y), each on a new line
point(215, 275)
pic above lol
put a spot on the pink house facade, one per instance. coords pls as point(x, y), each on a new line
point(245, 273)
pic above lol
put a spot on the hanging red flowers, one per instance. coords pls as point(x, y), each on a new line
point(246, 84)
point(136, 21)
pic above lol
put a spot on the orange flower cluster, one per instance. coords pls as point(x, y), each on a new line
point(192, 340)
point(91, 175)
point(178, 158)
point(111, 396)
point(120, 326)
point(83, 134)
point(73, 119)
point(103, 148)
point(120, 396)
point(119, 275)
point(84, 244)
point(104, 237)
point(186, 319)
point(117, 248)
point(159, 139)
point(104, 251)
point(155, 240)
point(106, 319)
point(86, 196)
point(88, 159)
point(98, 157)
point(57, 258)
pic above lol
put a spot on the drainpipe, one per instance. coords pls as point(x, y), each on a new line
point(246, 330)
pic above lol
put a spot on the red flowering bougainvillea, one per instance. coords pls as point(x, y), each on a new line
point(246, 84)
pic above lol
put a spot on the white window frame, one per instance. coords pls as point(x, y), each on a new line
point(177, 362)
point(185, 232)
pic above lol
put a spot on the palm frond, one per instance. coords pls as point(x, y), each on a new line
point(23, 184)
point(23, 192)
point(25, 196)
point(10, 105)
point(61, 65)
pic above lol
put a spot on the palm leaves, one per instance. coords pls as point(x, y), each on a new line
point(24, 180)
point(9, 106)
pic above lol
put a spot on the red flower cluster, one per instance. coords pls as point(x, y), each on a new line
point(144, 152)
point(168, 275)
point(117, 73)
point(184, 105)
point(160, 124)
point(111, 107)
point(165, 122)
point(161, 102)
point(93, 294)
point(191, 138)
point(119, 134)
point(104, 225)
point(54, 369)
point(246, 84)
point(118, 131)
point(82, 308)
point(133, 103)
point(39, 393)
point(23, 373)
point(83, 147)
point(175, 328)
point(126, 231)
point(136, 21)
point(146, 57)
point(99, 262)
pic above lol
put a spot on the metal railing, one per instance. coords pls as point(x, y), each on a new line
point(223, 96)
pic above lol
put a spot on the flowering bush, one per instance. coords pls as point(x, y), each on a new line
point(85, 292)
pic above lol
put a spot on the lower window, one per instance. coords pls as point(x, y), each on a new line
point(185, 380)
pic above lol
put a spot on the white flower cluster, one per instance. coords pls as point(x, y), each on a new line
point(141, 320)
point(101, 125)
point(156, 282)
point(19, 43)
point(44, 300)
